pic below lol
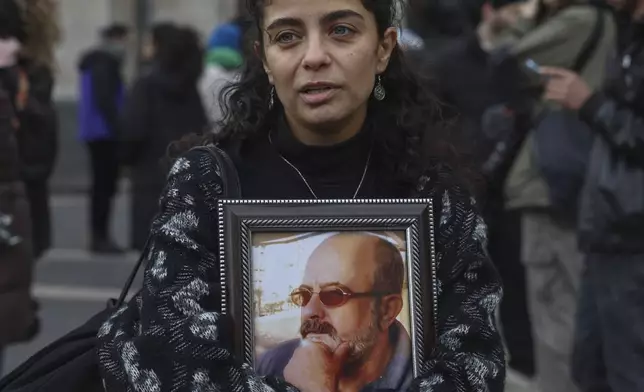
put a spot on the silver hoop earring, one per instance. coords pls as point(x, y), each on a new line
point(271, 99)
point(379, 91)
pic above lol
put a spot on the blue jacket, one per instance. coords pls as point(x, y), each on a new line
point(101, 96)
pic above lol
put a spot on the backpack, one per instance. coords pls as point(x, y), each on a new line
point(71, 364)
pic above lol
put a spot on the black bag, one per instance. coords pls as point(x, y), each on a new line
point(70, 364)
point(562, 142)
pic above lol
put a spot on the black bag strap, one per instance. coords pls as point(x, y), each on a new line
point(229, 175)
point(232, 190)
point(591, 43)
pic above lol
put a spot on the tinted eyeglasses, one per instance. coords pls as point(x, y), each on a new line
point(330, 297)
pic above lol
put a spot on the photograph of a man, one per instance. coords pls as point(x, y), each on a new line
point(350, 339)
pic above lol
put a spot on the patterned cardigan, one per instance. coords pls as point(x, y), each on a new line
point(171, 338)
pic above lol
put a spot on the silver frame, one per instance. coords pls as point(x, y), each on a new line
point(238, 218)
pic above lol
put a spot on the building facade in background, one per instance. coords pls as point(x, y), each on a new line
point(81, 20)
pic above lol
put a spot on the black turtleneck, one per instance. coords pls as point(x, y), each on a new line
point(333, 172)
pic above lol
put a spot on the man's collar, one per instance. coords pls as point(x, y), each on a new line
point(399, 371)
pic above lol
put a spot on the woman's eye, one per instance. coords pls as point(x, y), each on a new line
point(285, 38)
point(342, 30)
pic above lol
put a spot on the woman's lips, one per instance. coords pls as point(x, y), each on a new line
point(318, 96)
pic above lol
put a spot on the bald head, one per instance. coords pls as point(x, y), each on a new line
point(359, 260)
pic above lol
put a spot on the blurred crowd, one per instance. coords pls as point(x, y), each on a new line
point(549, 99)
point(551, 92)
point(28, 137)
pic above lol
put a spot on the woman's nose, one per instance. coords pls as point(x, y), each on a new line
point(316, 55)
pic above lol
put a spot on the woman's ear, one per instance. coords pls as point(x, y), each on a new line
point(385, 48)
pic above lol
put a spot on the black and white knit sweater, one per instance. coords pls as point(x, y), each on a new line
point(170, 337)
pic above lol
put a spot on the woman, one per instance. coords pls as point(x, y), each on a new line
point(327, 110)
point(163, 106)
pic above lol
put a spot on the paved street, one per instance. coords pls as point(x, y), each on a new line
point(72, 284)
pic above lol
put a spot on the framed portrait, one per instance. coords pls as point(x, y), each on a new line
point(354, 279)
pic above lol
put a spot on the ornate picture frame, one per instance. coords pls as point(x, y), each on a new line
point(271, 250)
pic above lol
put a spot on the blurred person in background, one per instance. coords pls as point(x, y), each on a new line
point(101, 96)
point(163, 106)
point(38, 140)
point(557, 33)
point(609, 345)
point(224, 59)
point(17, 309)
point(465, 85)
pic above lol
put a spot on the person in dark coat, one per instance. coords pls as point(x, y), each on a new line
point(38, 139)
point(16, 257)
point(163, 106)
point(101, 98)
point(466, 83)
point(18, 321)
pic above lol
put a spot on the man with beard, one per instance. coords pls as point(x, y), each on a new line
point(350, 296)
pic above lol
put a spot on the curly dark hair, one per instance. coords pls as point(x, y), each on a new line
point(410, 129)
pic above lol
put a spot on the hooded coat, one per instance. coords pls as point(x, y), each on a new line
point(16, 258)
point(161, 108)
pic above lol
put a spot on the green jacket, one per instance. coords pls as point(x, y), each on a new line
point(556, 42)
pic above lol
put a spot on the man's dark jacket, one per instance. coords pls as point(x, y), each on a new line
point(616, 114)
